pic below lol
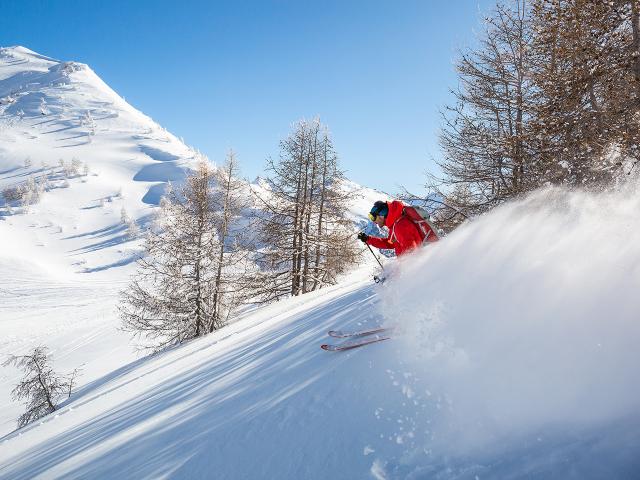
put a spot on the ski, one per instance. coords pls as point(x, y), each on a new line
point(354, 344)
point(359, 333)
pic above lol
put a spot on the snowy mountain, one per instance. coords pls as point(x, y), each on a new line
point(93, 160)
point(63, 126)
point(514, 351)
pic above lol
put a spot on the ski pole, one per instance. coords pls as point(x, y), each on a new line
point(374, 255)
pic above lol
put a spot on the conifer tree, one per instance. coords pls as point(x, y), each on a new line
point(40, 386)
point(305, 232)
point(182, 287)
point(588, 78)
point(485, 139)
point(235, 250)
point(551, 95)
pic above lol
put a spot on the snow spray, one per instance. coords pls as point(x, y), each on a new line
point(526, 317)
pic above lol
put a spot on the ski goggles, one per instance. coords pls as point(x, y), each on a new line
point(375, 213)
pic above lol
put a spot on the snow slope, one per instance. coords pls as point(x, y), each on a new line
point(257, 399)
point(52, 112)
point(65, 258)
point(515, 353)
point(515, 357)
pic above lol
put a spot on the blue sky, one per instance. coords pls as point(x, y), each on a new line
point(238, 74)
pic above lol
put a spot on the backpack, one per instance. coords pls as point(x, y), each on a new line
point(421, 219)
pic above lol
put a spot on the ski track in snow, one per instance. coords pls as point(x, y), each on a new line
point(227, 389)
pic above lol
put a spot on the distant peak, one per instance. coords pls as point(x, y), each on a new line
point(23, 51)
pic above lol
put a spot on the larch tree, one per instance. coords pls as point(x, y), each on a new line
point(40, 387)
point(235, 249)
point(485, 138)
point(587, 72)
point(551, 95)
point(304, 231)
point(182, 287)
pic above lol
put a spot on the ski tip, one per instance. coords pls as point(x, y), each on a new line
point(351, 345)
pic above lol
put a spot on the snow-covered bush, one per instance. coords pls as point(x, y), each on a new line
point(28, 193)
point(132, 228)
point(44, 110)
point(8, 100)
point(124, 218)
point(12, 194)
point(72, 169)
point(43, 183)
point(88, 121)
point(75, 166)
point(27, 198)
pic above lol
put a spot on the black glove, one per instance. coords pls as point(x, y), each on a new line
point(363, 237)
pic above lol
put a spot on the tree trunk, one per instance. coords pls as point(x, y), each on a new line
point(323, 188)
point(635, 25)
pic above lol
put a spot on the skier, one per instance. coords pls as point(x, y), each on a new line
point(407, 228)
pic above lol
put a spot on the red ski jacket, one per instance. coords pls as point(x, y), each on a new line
point(404, 235)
